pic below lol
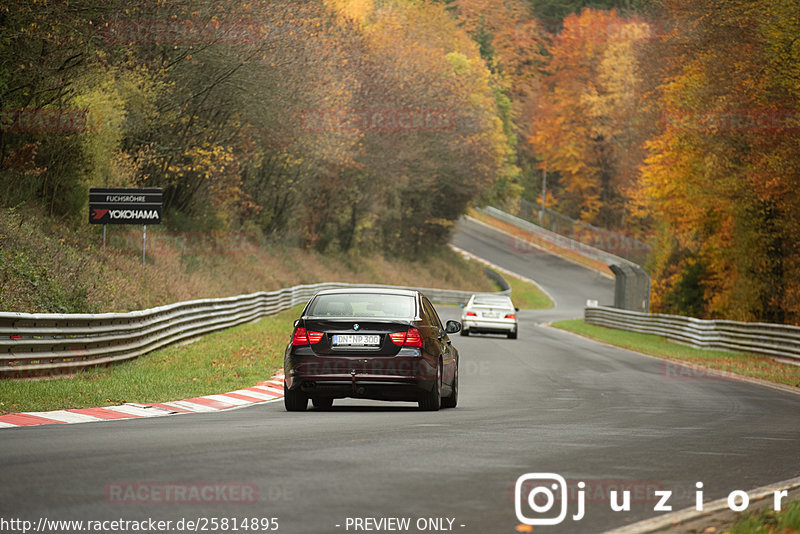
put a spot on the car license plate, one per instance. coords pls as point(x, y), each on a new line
point(492, 315)
point(356, 340)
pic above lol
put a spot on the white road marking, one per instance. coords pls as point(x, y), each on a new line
point(265, 388)
point(186, 405)
point(227, 400)
point(67, 417)
point(254, 394)
point(139, 412)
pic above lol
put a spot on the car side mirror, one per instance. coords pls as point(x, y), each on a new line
point(516, 309)
point(461, 305)
point(453, 327)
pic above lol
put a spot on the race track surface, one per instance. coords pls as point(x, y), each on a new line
point(546, 402)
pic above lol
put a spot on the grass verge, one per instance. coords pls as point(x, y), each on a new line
point(219, 362)
point(770, 522)
point(527, 296)
point(700, 359)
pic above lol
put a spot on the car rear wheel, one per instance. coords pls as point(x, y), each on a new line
point(294, 400)
point(322, 404)
point(464, 332)
point(452, 400)
point(512, 335)
point(431, 400)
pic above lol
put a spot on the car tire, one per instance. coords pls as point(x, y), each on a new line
point(512, 335)
point(452, 400)
point(322, 404)
point(294, 400)
point(464, 332)
point(431, 400)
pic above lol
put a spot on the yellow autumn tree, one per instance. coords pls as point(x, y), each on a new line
point(582, 126)
point(722, 176)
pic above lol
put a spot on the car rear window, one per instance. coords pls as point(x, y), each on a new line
point(362, 305)
point(492, 301)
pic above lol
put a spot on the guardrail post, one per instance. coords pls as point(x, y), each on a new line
point(642, 292)
point(620, 285)
point(632, 287)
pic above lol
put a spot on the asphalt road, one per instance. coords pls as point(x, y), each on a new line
point(546, 402)
point(568, 283)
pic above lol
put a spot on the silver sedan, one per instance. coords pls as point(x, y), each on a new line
point(490, 314)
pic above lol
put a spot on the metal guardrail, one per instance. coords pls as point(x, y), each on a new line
point(632, 290)
point(36, 343)
point(553, 238)
point(756, 338)
point(613, 242)
point(632, 301)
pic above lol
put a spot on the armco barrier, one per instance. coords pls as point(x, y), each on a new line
point(757, 338)
point(613, 242)
point(553, 238)
point(632, 291)
point(36, 343)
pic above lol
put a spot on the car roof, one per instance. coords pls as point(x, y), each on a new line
point(372, 290)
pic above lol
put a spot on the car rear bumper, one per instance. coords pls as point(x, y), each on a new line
point(489, 325)
point(402, 377)
point(366, 389)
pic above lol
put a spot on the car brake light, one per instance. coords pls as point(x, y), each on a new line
point(472, 314)
point(314, 337)
point(302, 336)
point(411, 338)
point(510, 316)
point(398, 338)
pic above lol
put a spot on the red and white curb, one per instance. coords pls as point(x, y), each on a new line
point(263, 392)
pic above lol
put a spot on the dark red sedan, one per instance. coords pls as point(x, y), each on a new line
point(371, 343)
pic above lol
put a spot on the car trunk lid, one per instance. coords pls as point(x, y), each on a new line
point(355, 336)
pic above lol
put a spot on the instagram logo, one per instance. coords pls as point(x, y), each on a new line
point(538, 493)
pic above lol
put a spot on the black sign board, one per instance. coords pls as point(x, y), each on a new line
point(125, 206)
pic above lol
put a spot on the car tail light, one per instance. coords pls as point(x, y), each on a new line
point(314, 337)
point(411, 338)
point(15, 337)
point(398, 338)
point(510, 316)
point(472, 314)
point(302, 336)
